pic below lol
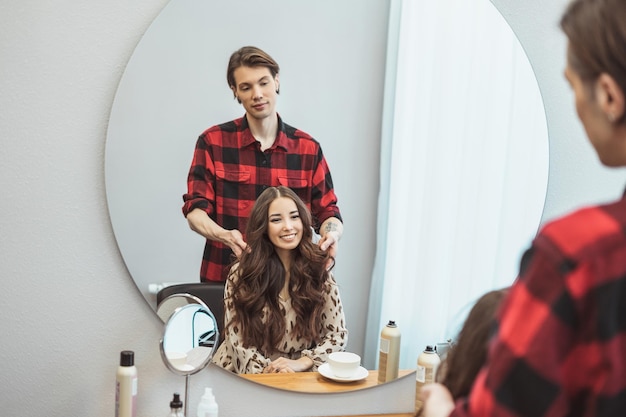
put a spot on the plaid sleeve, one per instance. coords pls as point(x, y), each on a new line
point(323, 198)
point(200, 180)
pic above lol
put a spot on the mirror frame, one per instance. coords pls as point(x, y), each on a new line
point(169, 314)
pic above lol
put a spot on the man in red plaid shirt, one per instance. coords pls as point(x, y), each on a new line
point(235, 161)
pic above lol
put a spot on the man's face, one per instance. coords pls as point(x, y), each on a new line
point(594, 120)
point(256, 90)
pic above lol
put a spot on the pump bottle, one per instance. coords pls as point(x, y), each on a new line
point(126, 385)
point(176, 407)
point(389, 353)
point(427, 363)
point(207, 407)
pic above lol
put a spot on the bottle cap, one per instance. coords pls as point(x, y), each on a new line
point(127, 358)
point(430, 349)
point(176, 402)
point(208, 393)
point(391, 323)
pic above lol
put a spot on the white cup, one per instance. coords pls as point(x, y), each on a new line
point(344, 364)
point(177, 359)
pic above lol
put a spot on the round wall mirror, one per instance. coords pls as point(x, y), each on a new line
point(174, 87)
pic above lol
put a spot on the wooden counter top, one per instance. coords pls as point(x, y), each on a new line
point(314, 382)
point(380, 415)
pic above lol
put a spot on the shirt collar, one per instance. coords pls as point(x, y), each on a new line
point(281, 136)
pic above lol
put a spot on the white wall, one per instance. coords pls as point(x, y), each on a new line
point(68, 303)
point(576, 177)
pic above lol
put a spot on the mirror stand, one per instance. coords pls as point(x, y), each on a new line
point(186, 395)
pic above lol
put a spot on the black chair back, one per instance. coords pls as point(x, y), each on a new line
point(211, 293)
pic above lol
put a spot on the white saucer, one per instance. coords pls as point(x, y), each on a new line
point(361, 373)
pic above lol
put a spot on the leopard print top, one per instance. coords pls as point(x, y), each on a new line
point(232, 356)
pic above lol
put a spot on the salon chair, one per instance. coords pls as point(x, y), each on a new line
point(211, 293)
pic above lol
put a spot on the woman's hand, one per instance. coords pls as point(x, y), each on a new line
point(284, 365)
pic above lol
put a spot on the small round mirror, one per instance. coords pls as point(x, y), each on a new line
point(190, 335)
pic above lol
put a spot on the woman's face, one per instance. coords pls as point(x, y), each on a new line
point(284, 227)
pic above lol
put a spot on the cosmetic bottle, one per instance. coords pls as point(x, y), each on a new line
point(176, 407)
point(389, 353)
point(126, 385)
point(207, 407)
point(427, 363)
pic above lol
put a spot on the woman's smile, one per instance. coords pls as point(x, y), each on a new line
point(289, 237)
point(284, 227)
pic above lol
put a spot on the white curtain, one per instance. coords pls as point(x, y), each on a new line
point(464, 168)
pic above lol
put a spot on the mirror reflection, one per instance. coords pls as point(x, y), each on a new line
point(190, 334)
point(169, 94)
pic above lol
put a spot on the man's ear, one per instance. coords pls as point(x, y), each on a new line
point(610, 97)
point(234, 90)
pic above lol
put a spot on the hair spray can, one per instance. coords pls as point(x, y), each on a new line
point(427, 363)
point(389, 352)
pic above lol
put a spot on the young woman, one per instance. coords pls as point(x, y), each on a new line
point(283, 312)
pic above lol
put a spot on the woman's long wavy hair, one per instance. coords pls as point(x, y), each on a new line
point(260, 277)
point(467, 356)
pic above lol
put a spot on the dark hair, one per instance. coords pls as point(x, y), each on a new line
point(260, 277)
point(249, 56)
point(469, 352)
point(596, 30)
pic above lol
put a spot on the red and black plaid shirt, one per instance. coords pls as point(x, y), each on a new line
point(229, 171)
point(560, 349)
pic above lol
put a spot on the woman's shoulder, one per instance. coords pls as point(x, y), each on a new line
point(331, 284)
point(233, 273)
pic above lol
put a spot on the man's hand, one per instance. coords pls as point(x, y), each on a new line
point(200, 222)
point(234, 240)
point(330, 233)
point(438, 401)
point(329, 241)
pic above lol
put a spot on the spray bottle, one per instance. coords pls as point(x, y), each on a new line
point(389, 353)
point(427, 363)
